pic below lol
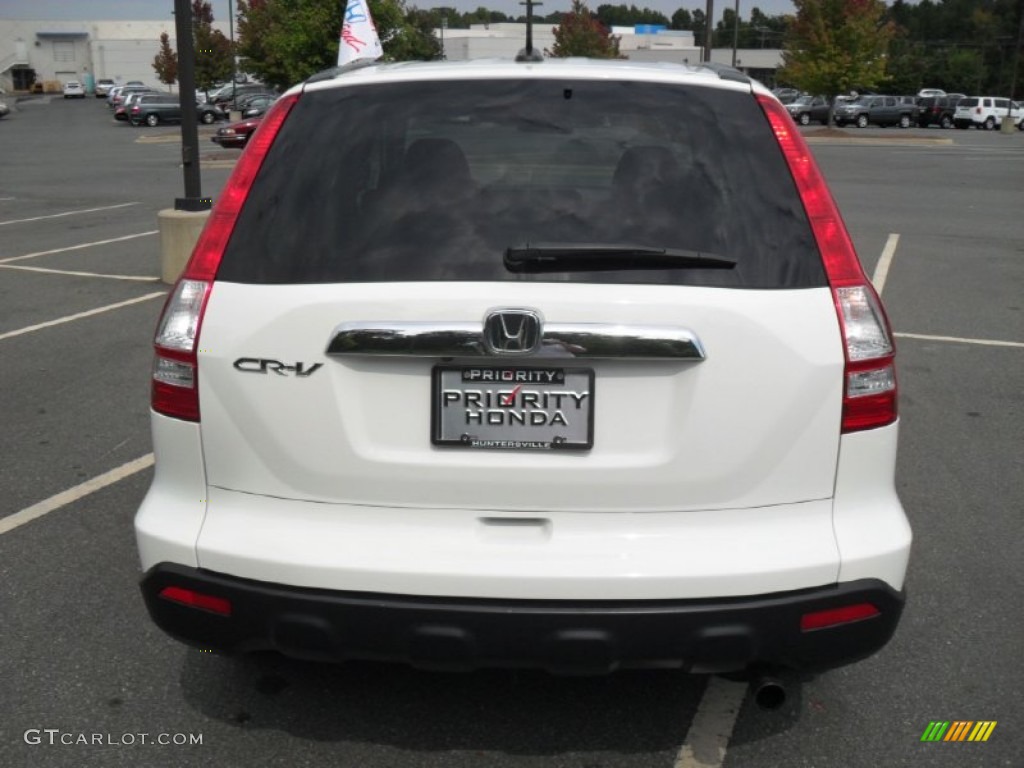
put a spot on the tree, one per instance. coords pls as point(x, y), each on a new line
point(166, 62)
point(682, 19)
point(214, 56)
point(581, 34)
point(835, 46)
point(283, 42)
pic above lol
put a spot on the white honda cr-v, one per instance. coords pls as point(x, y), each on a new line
point(565, 364)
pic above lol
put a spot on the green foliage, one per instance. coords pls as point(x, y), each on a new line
point(682, 19)
point(964, 46)
point(165, 63)
point(581, 34)
point(835, 46)
point(214, 57)
point(628, 16)
point(283, 42)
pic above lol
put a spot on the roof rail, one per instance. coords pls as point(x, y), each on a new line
point(333, 72)
point(725, 72)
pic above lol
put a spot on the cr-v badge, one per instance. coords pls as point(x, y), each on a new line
point(261, 365)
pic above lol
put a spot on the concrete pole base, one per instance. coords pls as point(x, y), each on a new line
point(179, 231)
point(1008, 125)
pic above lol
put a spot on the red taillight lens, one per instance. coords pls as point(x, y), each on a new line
point(175, 390)
point(175, 382)
point(836, 616)
point(869, 395)
point(214, 238)
point(193, 599)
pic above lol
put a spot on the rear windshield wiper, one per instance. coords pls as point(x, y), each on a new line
point(556, 257)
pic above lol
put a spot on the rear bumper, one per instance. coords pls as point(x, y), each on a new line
point(563, 636)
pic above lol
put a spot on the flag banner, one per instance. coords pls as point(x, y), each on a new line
point(359, 38)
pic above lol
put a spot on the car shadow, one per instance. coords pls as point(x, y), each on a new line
point(633, 714)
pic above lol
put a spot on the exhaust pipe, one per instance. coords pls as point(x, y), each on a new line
point(769, 692)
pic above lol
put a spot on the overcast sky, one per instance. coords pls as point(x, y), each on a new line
point(101, 10)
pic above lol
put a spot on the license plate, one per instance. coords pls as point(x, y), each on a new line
point(513, 407)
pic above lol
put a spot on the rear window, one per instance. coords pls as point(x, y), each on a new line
point(434, 181)
point(967, 103)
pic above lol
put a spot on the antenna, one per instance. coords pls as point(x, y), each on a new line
point(528, 54)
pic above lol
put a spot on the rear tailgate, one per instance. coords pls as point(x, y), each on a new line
point(755, 423)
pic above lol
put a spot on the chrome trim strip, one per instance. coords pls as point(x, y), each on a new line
point(560, 340)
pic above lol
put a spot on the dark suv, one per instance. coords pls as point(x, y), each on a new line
point(876, 110)
point(937, 110)
point(153, 110)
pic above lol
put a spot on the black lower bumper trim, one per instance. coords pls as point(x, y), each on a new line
point(580, 636)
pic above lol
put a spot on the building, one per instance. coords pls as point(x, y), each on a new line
point(643, 42)
point(53, 52)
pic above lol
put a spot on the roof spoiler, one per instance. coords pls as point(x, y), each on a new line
point(333, 72)
point(725, 72)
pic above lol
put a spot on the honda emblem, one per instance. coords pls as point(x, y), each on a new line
point(512, 331)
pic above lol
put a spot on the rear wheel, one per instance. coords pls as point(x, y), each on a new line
point(207, 118)
point(945, 122)
point(152, 120)
point(805, 118)
point(990, 124)
point(862, 121)
point(904, 121)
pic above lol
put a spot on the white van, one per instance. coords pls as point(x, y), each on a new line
point(986, 112)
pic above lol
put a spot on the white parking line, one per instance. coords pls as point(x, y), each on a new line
point(6, 199)
point(712, 726)
point(67, 213)
point(884, 262)
point(139, 278)
point(958, 340)
point(79, 316)
point(64, 498)
point(79, 246)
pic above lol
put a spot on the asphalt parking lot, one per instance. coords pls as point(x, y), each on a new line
point(938, 219)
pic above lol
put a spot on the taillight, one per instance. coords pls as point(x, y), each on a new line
point(869, 393)
point(834, 617)
point(193, 599)
point(175, 390)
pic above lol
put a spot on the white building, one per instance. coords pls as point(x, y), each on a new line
point(642, 42)
point(86, 51)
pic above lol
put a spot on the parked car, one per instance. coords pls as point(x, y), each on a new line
point(123, 110)
point(118, 98)
point(165, 108)
point(788, 95)
point(103, 86)
point(228, 100)
point(937, 110)
point(986, 112)
point(255, 106)
point(633, 405)
point(236, 134)
point(4, 109)
point(73, 90)
point(875, 110)
point(807, 109)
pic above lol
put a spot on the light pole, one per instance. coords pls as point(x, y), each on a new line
point(735, 31)
point(708, 13)
point(193, 200)
point(234, 61)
